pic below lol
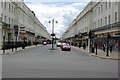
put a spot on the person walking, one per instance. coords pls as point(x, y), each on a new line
point(79, 45)
point(104, 47)
point(110, 47)
point(84, 45)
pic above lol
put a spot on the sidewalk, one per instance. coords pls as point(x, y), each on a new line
point(101, 54)
point(9, 51)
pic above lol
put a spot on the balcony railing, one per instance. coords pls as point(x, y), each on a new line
point(110, 26)
point(6, 25)
point(10, 45)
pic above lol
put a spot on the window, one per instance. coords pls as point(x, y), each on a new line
point(115, 16)
point(5, 5)
point(9, 20)
point(101, 8)
point(9, 7)
point(2, 4)
point(105, 21)
point(14, 21)
point(95, 13)
point(106, 5)
point(95, 24)
point(12, 9)
point(2, 17)
point(109, 5)
point(109, 19)
point(5, 19)
point(101, 22)
point(98, 23)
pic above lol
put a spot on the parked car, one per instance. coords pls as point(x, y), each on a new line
point(65, 47)
point(44, 43)
point(58, 44)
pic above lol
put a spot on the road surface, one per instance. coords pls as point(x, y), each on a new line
point(41, 62)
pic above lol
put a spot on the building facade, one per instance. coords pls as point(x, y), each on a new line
point(13, 13)
point(102, 18)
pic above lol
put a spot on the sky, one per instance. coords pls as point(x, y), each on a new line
point(62, 11)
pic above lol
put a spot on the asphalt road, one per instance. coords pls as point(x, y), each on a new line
point(41, 62)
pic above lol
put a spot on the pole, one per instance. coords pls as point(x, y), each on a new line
point(52, 33)
point(16, 43)
point(12, 45)
point(3, 44)
point(107, 45)
point(96, 47)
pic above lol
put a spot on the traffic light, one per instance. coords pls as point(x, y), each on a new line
point(52, 34)
point(90, 34)
point(16, 30)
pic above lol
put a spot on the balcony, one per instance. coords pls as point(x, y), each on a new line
point(5, 25)
point(110, 26)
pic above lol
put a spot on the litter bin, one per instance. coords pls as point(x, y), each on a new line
point(92, 49)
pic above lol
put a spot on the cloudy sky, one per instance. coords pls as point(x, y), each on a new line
point(64, 11)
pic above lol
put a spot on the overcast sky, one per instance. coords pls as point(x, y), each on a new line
point(64, 11)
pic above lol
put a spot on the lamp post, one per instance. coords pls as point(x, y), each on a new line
point(53, 34)
point(3, 44)
point(108, 38)
point(16, 34)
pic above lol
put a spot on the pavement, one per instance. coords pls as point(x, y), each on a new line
point(100, 54)
point(9, 51)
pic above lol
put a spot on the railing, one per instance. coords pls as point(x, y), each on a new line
point(110, 26)
point(10, 45)
point(6, 25)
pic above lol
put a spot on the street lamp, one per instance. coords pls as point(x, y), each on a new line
point(53, 34)
point(16, 34)
point(108, 38)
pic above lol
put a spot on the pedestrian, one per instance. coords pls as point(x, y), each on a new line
point(110, 47)
point(79, 45)
point(104, 47)
point(96, 47)
point(84, 45)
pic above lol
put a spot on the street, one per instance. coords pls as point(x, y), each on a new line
point(41, 62)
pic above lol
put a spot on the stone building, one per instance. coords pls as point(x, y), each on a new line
point(16, 13)
point(102, 18)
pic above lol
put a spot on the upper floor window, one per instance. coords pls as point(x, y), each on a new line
point(105, 20)
point(9, 7)
point(109, 19)
point(1, 17)
point(12, 9)
point(5, 5)
point(106, 5)
point(95, 24)
point(5, 19)
point(115, 16)
point(98, 23)
point(101, 22)
point(9, 20)
point(109, 4)
point(2, 4)
point(101, 8)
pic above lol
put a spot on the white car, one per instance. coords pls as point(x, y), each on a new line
point(58, 44)
point(44, 43)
